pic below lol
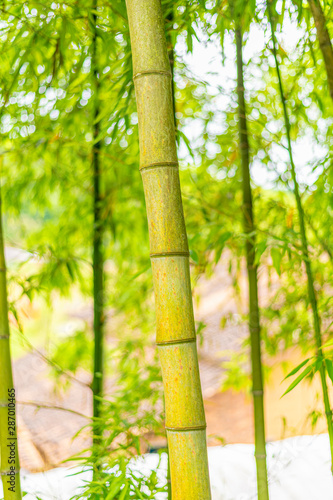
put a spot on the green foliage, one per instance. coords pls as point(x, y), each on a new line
point(127, 416)
point(237, 377)
point(73, 353)
point(47, 101)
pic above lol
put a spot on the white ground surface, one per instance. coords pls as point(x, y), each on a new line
point(299, 469)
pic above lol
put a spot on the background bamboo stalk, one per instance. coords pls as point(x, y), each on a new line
point(254, 321)
point(171, 55)
point(98, 288)
point(305, 248)
point(8, 435)
point(169, 479)
point(324, 40)
point(176, 339)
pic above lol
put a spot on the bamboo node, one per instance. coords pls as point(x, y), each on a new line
point(2, 269)
point(170, 254)
point(258, 393)
point(159, 164)
point(186, 429)
point(7, 473)
point(152, 72)
point(4, 337)
point(178, 341)
point(254, 328)
point(260, 456)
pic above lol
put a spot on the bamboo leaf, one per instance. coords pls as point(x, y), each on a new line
point(329, 367)
point(123, 492)
point(276, 258)
point(328, 344)
point(304, 373)
point(298, 367)
point(186, 141)
point(116, 485)
point(318, 363)
point(261, 247)
point(142, 271)
point(70, 270)
point(189, 41)
point(194, 256)
point(221, 243)
point(138, 492)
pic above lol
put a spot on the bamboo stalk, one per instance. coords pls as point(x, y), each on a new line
point(98, 259)
point(171, 55)
point(169, 478)
point(8, 435)
point(305, 247)
point(324, 40)
point(176, 339)
point(252, 271)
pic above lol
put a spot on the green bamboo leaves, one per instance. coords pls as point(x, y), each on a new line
point(313, 367)
point(310, 370)
point(176, 339)
point(305, 248)
point(8, 435)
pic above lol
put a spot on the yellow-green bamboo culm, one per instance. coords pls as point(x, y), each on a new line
point(8, 435)
point(176, 338)
point(254, 319)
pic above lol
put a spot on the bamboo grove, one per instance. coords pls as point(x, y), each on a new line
point(128, 176)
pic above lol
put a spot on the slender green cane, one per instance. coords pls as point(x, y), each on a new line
point(305, 247)
point(254, 319)
point(98, 288)
point(169, 479)
point(8, 435)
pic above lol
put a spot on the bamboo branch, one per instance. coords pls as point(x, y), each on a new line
point(45, 406)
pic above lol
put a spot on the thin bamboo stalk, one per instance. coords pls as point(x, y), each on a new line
point(305, 246)
point(171, 55)
point(8, 435)
point(324, 40)
point(176, 339)
point(252, 271)
point(169, 479)
point(98, 259)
